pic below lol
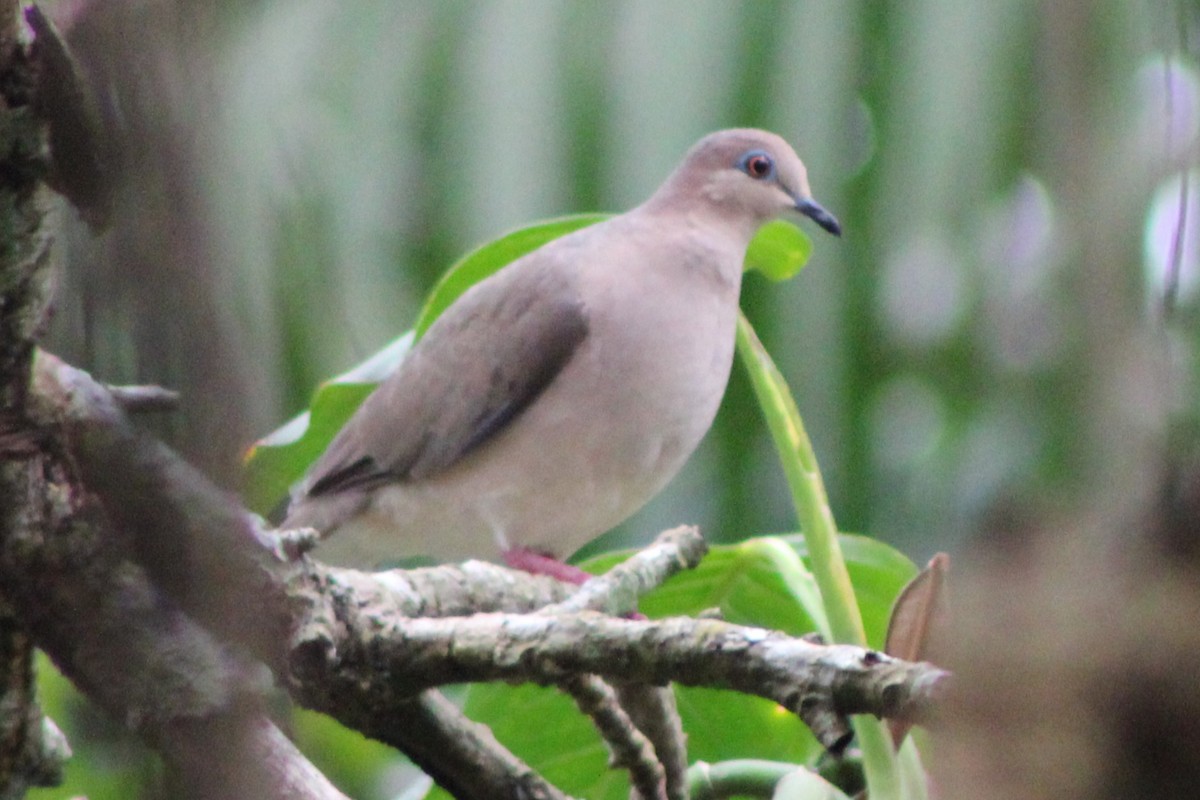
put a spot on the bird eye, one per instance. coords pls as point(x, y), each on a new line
point(757, 165)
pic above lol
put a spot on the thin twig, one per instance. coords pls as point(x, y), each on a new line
point(142, 399)
point(650, 710)
point(617, 591)
point(629, 748)
point(653, 710)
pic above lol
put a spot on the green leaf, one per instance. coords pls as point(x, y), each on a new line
point(544, 728)
point(352, 761)
point(280, 458)
point(751, 583)
point(272, 468)
point(779, 250)
point(488, 258)
point(878, 572)
point(755, 583)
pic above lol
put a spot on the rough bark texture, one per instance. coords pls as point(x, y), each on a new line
point(66, 580)
point(27, 757)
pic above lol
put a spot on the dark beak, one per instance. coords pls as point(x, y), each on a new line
point(813, 210)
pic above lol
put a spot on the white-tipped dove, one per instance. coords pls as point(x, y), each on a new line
point(556, 397)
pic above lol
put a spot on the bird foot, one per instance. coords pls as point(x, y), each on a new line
point(541, 564)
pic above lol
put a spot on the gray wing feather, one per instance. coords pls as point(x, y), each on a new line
point(477, 367)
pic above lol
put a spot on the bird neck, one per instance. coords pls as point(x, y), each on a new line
point(693, 208)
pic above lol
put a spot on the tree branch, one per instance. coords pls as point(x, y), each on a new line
point(193, 537)
point(653, 710)
point(233, 755)
point(617, 591)
point(142, 399)
point(32, 749)
point(631, 714)
point(339, 639)
point(69, 579)
point(820, 683)
point(629, 748)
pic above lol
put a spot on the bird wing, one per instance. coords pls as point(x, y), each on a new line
point(478, 366)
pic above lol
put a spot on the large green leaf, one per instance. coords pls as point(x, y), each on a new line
point(488, 258)
point(280, 458)
point(275, 462)
point(878, 572)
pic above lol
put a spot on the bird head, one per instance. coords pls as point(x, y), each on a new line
point(748, 176)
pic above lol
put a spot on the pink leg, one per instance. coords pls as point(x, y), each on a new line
point(540, 564)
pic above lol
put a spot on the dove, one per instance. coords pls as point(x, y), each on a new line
point(555, 398)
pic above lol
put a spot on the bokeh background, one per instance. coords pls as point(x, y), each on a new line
point(1006, 332)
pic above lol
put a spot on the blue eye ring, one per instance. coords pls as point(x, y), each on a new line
point(758, 164)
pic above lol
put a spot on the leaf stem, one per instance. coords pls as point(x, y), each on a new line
point(808, 489)
point(820, 533)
